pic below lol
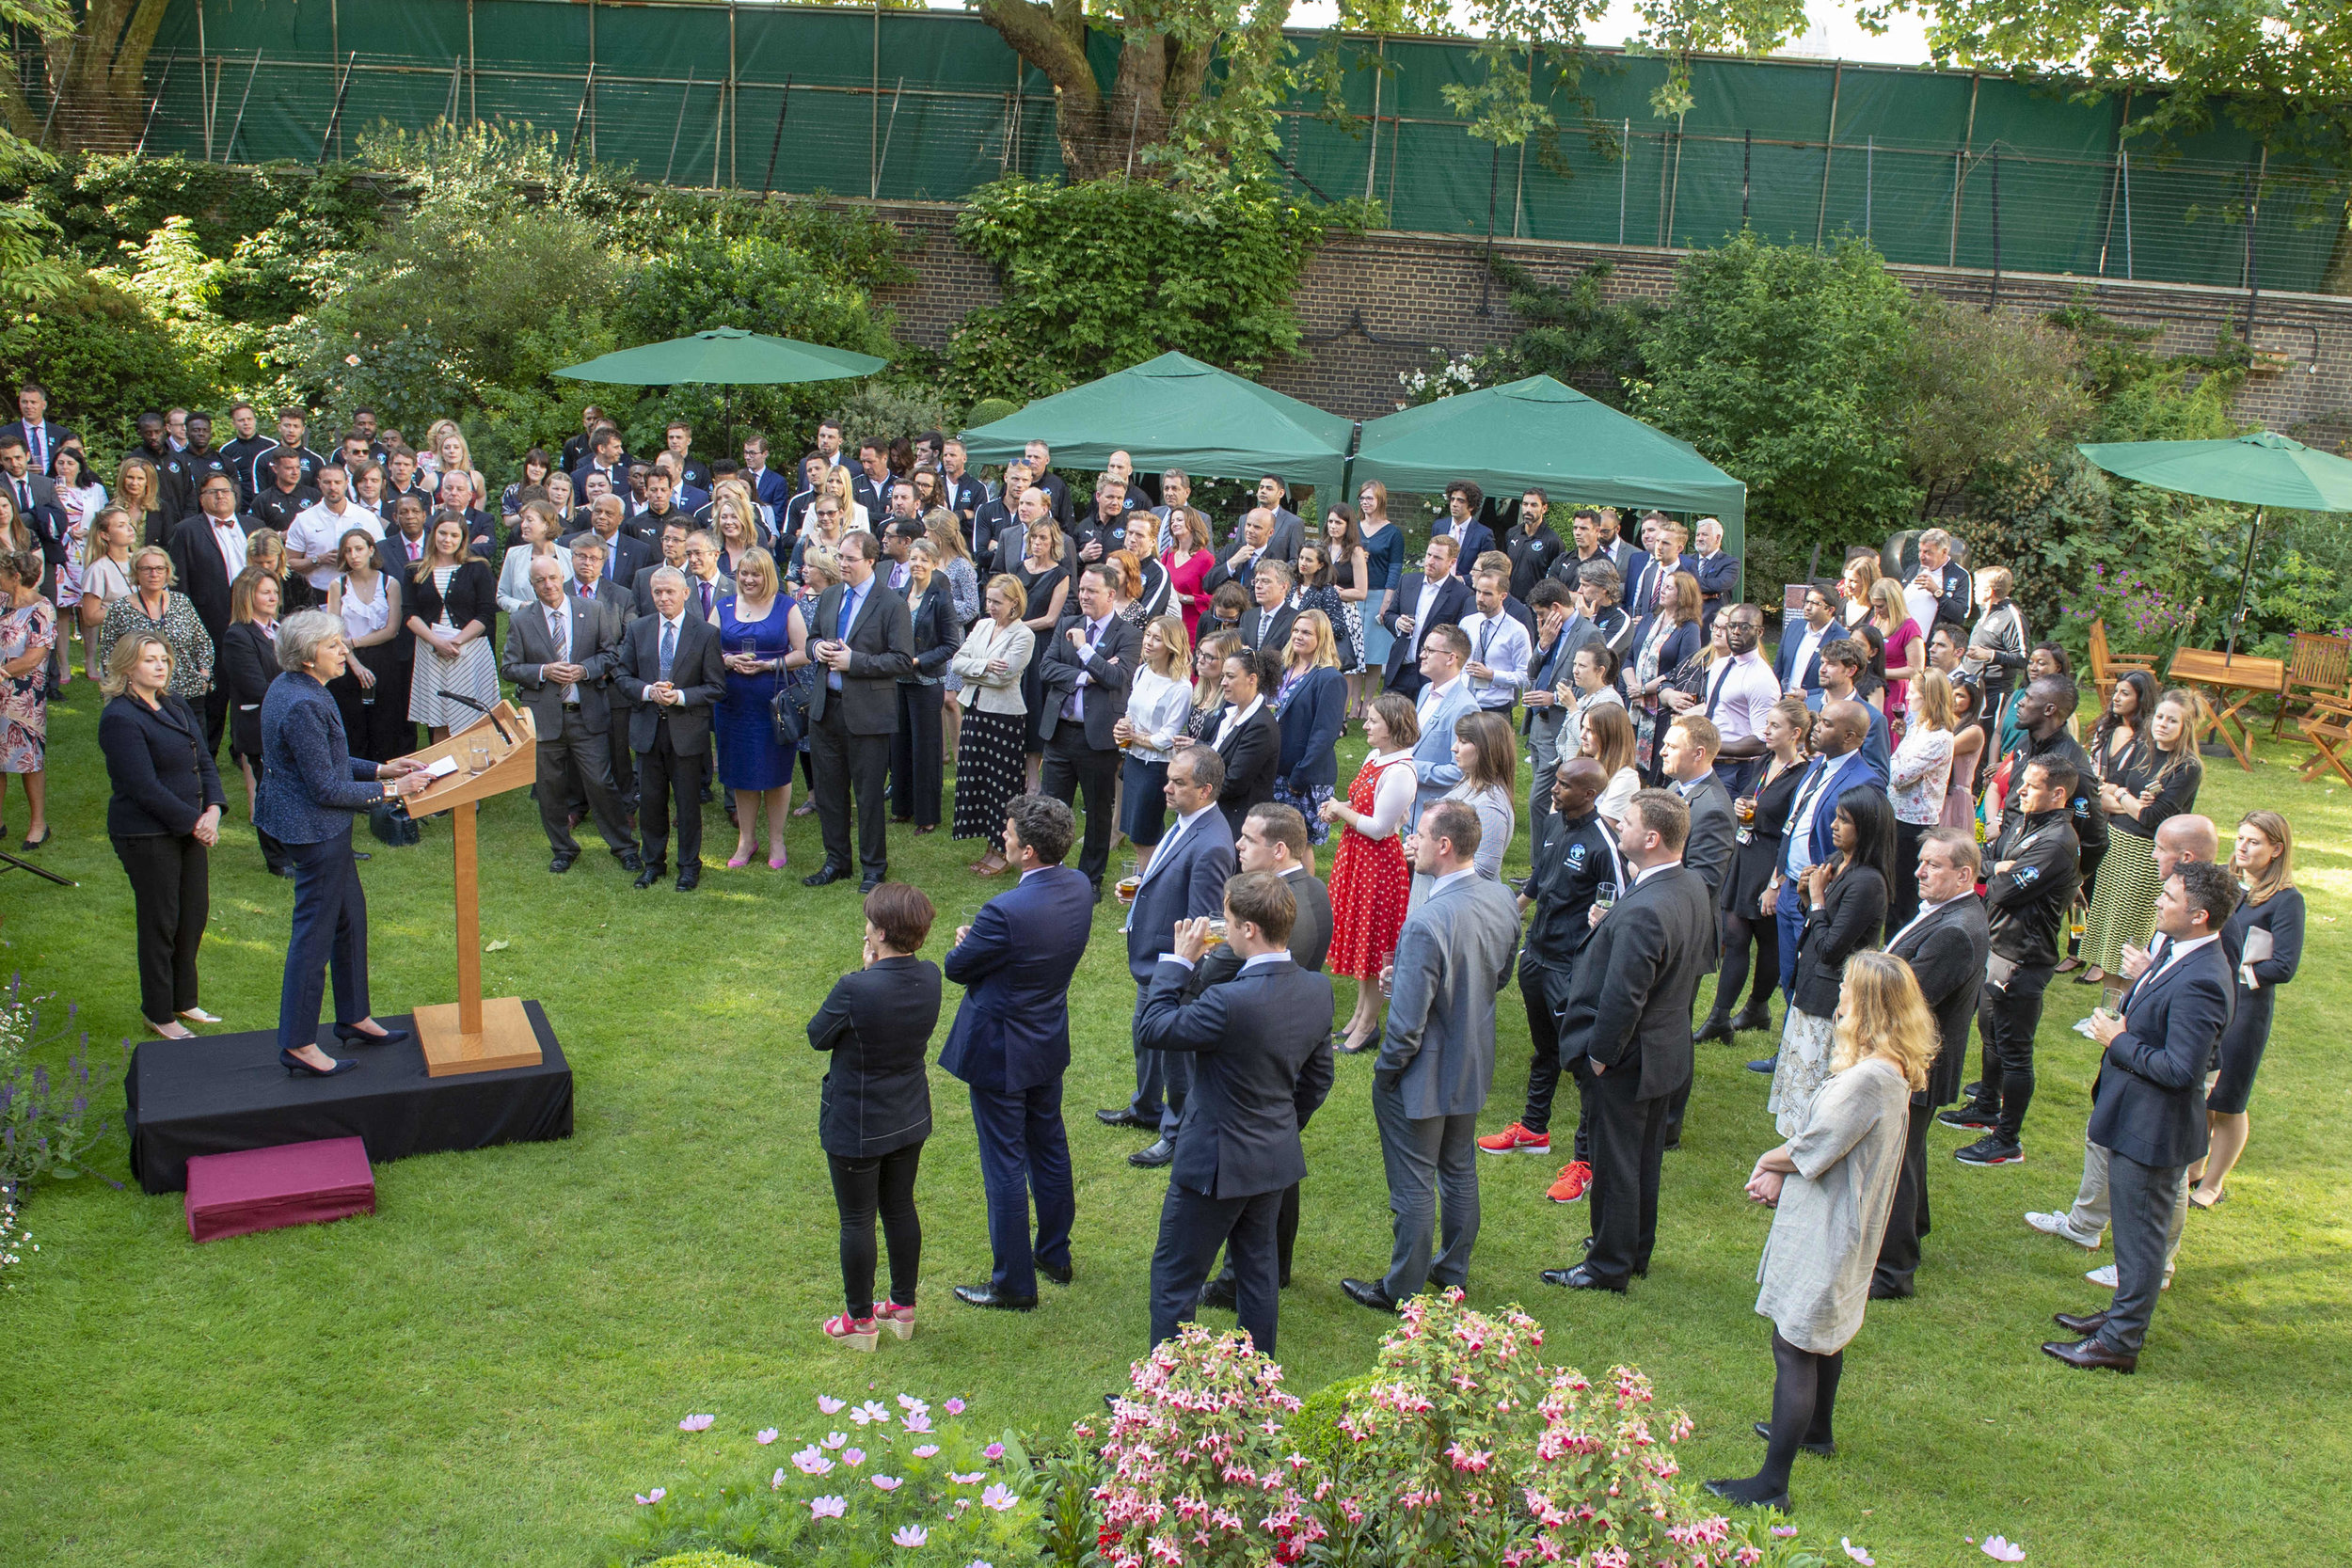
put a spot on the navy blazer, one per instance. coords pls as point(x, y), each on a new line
point(1808, 679)
point(1454, 601)
point(1012, 1031)
point(1262, 1064)
point(1681, 642)
point(1311, 722)
point(937, 633)
point(1474, 537)
point(1857, 773)
point(2148, 1102)
point(1184, 882)
point(162, 772)
point(310, 781)
point(878, 1023)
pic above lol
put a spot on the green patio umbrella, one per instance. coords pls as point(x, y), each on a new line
point(1542, 432)
point(725, 356)
point(2262, 469)
point(1175, 412)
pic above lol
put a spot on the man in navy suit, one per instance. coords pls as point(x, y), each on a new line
point(1434, 596)
point(1798, 659)
point(1471, 538)
point(770, 488)
point(1184, 881)
point(1718, 573)
point(42, 436)
point(1011, 1044)
point(1263, 1043)
point(2147, 1105)
point(1838, 766)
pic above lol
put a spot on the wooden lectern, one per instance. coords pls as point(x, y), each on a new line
point(471, 1035)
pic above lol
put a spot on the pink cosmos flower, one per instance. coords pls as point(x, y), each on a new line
point(995, 1450)
point(999, 1497)
point(869, 1411)
point(828, 1507)
point(955, 1408)
point(1784, 1532)
point(916, 1421)
point(696, 1424)
point(908, 1536)
point(829, 1405)
point(1857, 1553)
point(775, 1482)
point(2001, 1551)
point(649, 1498)
point(764, 1436)
point(925, 1451)
point(887, 1483)
point(853, 1457)
point(834, 1440)
point(908, 1401)
point(972, 1479)
point(811, 1460)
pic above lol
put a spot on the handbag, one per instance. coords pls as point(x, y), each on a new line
point(788, 718)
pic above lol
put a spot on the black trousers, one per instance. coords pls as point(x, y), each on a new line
point(1285, 1242)
point(1898, 1253)
point(1192, 1226)
point(848, 765)
point(1903, 892)
point(215, 710)
point(376, 721)
point(1071, 765)
point(1541, 989)
point(171, 892)
point(1740, 932)
point(663, 777)
point(274, 854)
point(915, 765)
point(1407, 681)
point(573, 764)
point(1629, 1137)
point(2007, 1018)
point(883, 1184)
point(330, 930)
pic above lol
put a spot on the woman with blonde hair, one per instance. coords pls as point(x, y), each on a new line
point(2157, 781)
point(105, 577)
point(452, 455)
point(1906, 651)
point(2262, 939)
point(991, 663)
point(1829, 1188)
point(761, 638)
point(138, 490)
point(1919, 777)
point(28, 637)
point(839, 486)
point(248, 663)
point(734, 525)
point(1311, 711)
point(1208, 668)
point(1862, 570)
point(819, 568)
point(941, 527)
point(1159, 699)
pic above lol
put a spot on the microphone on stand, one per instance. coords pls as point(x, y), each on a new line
point(496, 722)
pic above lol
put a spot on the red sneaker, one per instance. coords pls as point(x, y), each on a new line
point(1574, 1177)
point(1514, 1139)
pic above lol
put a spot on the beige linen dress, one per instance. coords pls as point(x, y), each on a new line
point(1817, 1263)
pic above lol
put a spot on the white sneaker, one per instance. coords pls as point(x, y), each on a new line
point(2055, 1224)
point(2105, 1278)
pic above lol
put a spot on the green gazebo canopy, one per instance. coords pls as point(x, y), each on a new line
point(724, 356)
point(1541, 432)
point(1175, 412)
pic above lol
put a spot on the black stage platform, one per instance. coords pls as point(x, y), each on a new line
point(227, 1092)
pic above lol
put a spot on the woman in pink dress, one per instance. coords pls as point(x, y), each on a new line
point(1189, 560)
point(1371, 883)
point(1906, 645)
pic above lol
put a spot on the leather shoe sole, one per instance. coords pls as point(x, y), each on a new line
point(2090, 1355)
point(985, 1295)
point(1368, 1293)
point(1582, 1277)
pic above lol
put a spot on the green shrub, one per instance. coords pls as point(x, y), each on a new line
point(104, 350)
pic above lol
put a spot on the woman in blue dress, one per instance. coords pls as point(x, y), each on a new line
point(762, 638)
point(1384, 569)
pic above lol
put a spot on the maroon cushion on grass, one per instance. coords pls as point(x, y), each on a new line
point(261, 1189)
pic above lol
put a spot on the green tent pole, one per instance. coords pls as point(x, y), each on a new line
point(2245, 581)
point(1347, 466)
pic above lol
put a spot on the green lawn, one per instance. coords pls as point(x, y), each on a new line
point(483, 1370)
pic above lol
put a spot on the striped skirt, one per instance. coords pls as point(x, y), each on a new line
point(2124, 902)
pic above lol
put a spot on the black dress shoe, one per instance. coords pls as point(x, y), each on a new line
point(1582, 1277)
point(349, 1035)
point(1056, 1276)
point(1126, 1117)
point(1717, 1027)
point(561, 864)
point(824, 876)
point(296, 1067)
point(1221, 1296)
point(649, 873)
point(1882, 1290)
point(1759, 1019)
point(1368, 1293)
point(1158, 1153)
point(871, 881)
point(986, 1296)
point(689, 877)
point(2083, 1324)
point(1737, 1492)
point(2090, 1355)
point(1827, 1451)
point(629, 860)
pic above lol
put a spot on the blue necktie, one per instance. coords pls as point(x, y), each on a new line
point(669, 647)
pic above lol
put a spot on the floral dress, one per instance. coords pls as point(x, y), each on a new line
point(25, 699)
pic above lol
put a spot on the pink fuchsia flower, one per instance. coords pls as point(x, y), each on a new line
point(955, 1408)
point(995, 1450)
point(972, 1479)
point(811, 1460)
point(828, 1507)
point(908, 1536)
point(925, 1451)
point(2001, 1551)
point(646, 1499)
point(869, 1411)
point(834, 1440)
point(696, 1424)
point(764, 1436)
point(829, 1405)
point(853, 1457)
point(999, 1497)
point(1857, 1553)
point(887, 1483)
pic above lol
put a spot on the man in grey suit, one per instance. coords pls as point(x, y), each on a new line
point(1947, 944)
point(1437, 1058)
point(1629, 1017)
point(1445, 700)
point(1184, 881)
point(863, 636)
point(560, 654)
point(593, 583)
point(1686, 754)
point(670, 662)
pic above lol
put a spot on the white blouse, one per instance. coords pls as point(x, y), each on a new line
point(1613, 800)
point(1391, 794)
point(1157, 706)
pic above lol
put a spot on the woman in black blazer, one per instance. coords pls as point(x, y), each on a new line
point(248, 662)
point(916, 750)
point(1845, 912)
point(875, 1107)
point(1252, 746)
point(164, 814)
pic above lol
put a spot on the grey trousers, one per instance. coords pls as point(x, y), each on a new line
point(1427, 1157)
point(1543, 740)
point(2089, 1217)
point(2144, 1198)
point(1163, 1079)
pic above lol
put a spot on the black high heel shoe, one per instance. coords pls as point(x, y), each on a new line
point(32, 842)
point(295, 1064)
point(350, 1035)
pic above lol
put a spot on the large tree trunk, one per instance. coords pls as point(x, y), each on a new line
point(97, 75)
point(1101, 133)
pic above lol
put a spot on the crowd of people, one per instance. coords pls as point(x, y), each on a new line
point(1897, 822)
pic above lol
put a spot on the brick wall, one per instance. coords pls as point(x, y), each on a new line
point(1375, 306)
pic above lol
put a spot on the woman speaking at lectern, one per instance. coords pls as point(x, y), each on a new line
point(311, 785)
